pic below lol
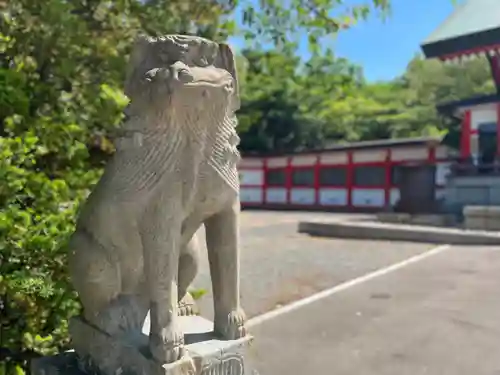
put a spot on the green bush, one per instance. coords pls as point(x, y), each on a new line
point(62, 64)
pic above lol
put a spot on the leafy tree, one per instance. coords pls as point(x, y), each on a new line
point(61, 68)
point(327, 100)
point(429, 82)
point(287, 103)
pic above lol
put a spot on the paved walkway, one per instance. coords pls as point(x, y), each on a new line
point(438, 316)
point(279, 265)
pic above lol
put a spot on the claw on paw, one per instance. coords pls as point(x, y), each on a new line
point(233, 327)
point(187, 306)
point(168, 350)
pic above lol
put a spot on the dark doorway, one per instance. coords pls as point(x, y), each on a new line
point(487, 144)
point(417, 188)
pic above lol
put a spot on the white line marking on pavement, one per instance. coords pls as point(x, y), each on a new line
point(341, 287)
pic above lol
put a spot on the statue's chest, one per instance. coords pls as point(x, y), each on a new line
point(213, 192)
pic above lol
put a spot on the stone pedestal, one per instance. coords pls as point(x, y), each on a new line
point(482, 218)
point(206, 354)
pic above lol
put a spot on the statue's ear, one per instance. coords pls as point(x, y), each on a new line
point(225, 60)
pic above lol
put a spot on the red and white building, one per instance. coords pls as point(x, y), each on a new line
point(363, 176)
point(355, 177)
point(472, 31)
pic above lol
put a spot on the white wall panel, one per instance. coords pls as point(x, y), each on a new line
point(368, 197)
point(333, 197)
point(394, 196)
point(251, 176)
point(275, 195)
point(483, 114)
point(369, 155)
point(410, 153)
point(250, 195)
point(304, 160)
point(250, 162)
point(277, 162)
point(302, 196)
point(338, 157)
point(442, 171)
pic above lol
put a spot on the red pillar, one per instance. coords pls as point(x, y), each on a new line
point(466, 135)
point(316, 180)
point(350, 178)
point(388, 182)
point(264, 183)
point(288, 176)
point(432, 160)
point(432, 154)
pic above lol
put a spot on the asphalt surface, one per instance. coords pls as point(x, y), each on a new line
point(279, 265)
point(440, 316)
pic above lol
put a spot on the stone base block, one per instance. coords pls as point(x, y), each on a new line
point(100, 354)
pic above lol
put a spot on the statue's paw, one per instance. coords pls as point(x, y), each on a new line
point(232, 327)
point(167, 349)
point(187, 306)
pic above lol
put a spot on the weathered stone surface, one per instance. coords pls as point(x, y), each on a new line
point(135, 249)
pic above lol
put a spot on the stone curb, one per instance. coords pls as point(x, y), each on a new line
point(394, 232)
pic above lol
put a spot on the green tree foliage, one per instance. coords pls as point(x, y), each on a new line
point(290, 104)
point(62, 64)
point(287, 103)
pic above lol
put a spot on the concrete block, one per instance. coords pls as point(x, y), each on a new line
point(475, 210)
point(475, 223)
point(493, 224)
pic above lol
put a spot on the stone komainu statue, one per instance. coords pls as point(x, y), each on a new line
point(134, 248)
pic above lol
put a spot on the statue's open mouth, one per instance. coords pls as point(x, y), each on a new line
point(225, 87)
point(181, 75)
point(200, 77)
point(207, 83)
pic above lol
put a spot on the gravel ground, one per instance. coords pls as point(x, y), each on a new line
point(279, 265)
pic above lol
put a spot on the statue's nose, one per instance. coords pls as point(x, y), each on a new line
point(181, 72)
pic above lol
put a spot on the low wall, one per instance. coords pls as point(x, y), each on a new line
point(393, 232)
point(436, 220)
point(482, 217)
point(462, 191)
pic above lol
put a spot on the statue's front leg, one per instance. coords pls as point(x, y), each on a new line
point(222, 233)
point(161, 236)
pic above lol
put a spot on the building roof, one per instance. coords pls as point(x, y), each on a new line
point(379, 143)
point(474, 26)
point(449, 109)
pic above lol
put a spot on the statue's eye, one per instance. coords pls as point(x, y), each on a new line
point(206, 55)
point(211, 53)
point(211, 59)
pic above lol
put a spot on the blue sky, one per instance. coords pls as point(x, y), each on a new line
point(384, 48)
